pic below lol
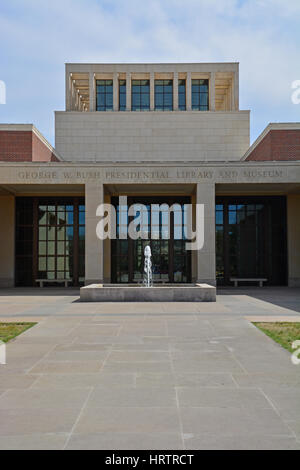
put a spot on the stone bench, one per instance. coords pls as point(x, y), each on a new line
point(259, 280)
point(53, 281)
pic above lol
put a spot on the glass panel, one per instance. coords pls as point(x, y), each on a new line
point(42, 248)
point(182, 95)
point(51, 263)
point(43, 233)
point(122, 95)
point(50, 249)
point(140, 95)
point(232, 218)
point(164, 95)
point(60, 264)
point(61, 248)
point(42, 264)
point(104, 93)
point(200, 95)
point(219, 218)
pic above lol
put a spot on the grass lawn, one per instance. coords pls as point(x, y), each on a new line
point(283, 333)
point(9, 331)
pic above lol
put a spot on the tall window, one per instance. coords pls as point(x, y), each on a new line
point(200, 95)
point(164, 95)
point(81, 242)
point(170, 260)
point(50, 240)
point(24, 241)
point(140, 95)
point(182, 95)
point(104, 95)
point(251, 238)
point(122, 95)
point(55, 241)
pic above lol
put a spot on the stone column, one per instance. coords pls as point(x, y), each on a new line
point(152, 92)
point(116, 92)
point(94, 260)
point(212, 91)
point(175, 91)
point(128, 91)
point(206, 258)
point(189, 91)
point(236, 91)
point(68, 91)
point(92, 84)
point(7, 241)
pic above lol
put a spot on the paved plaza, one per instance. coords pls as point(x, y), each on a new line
point(148, 376)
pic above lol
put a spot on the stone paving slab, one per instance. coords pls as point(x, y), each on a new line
point(126, 441)
point(140, 376)
point(55, 441)
point(238, 442)
point(135, 419)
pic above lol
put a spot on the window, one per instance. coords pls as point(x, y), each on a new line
point(200, 95)
point(104, 95)
point(122, 95)
point(251, 239)
point(164, 95)
point(140, 95)
point(55, 241)
point(171, 261)
point(182, 95)
point(50, 240)
point(81, 242)
point(24, 241)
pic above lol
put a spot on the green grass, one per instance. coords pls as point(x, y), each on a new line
point(9, 331)
point(283, 333)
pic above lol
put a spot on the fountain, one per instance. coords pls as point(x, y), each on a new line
point(148, 279)
point(147, 292)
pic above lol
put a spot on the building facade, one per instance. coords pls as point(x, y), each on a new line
point(157, 134)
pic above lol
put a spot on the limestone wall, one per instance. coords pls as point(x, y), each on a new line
point(152, 136)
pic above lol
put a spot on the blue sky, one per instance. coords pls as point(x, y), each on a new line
point(37, 40)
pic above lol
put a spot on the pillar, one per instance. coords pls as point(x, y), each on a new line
point(152, 92)
point(92, 85)
point(68, 91)
point(128, 91)
point(237, 90)
point(212, 91)
point(175, 91)
point(94, 259)
point(116, 92)
point(189, 91)
point(206, 258)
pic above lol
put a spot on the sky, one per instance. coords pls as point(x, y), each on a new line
point(37, 38)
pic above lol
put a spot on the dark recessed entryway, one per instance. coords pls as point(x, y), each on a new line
point(251, 238)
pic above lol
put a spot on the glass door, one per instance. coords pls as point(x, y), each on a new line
point(55, 241)
point(170, 260)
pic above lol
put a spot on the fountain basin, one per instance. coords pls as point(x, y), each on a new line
point(134, 293)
